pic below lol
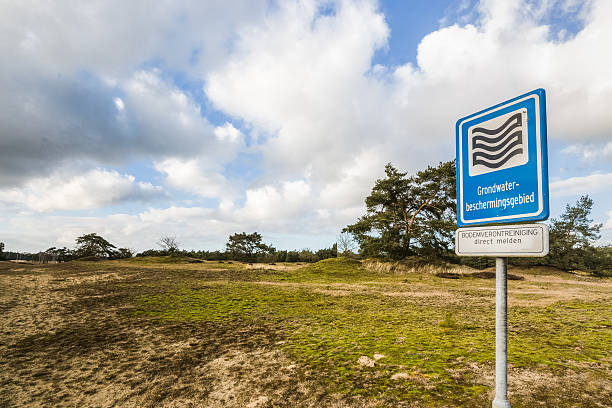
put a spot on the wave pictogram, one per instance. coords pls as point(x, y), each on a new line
point(492, 148)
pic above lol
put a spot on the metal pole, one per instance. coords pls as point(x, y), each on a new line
point(501, 334)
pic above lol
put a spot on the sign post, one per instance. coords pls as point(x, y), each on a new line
point(502, 177)
point(501, 334)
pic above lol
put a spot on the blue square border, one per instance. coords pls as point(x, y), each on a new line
point(544, 210)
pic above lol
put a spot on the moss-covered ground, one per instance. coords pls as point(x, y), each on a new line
point(328, 334)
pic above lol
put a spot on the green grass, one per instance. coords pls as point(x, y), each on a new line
point(160, 260)
point(329, 270)
point(436, 340)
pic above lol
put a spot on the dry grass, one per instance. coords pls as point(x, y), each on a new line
point(155, 334)
point(403, 267)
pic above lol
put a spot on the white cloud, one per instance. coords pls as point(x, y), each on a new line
point(287, 78)
point(228, 132)
point(94, 189)
point(608, 224)
point(322, 111)
point(74, 87)
point(590, 152)
point(52, 123)
point(354, 182)
point(300, 77)
point(591, 184)
point(119, 104)
point(196, 176)
point(114, 37)
point(175, 214)
point(276, 205)
point(508, 52)
point(167, 118)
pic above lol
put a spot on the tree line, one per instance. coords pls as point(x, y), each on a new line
point(242, 247)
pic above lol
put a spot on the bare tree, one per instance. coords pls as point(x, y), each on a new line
point(346, 244)
point(169, 244)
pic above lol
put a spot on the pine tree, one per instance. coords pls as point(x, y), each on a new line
point(572, 236)
point(409, 215)
point(246, 247)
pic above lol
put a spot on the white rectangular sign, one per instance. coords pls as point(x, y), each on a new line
point(502, 241)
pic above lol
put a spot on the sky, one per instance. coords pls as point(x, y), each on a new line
point(199, 119)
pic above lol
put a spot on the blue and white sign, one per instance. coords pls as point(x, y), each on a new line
point(502, 163)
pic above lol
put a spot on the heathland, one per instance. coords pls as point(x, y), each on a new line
point(173, 332)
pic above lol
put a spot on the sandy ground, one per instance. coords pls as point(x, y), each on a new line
point(64, 341)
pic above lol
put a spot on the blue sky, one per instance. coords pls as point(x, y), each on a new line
point(202, 119)
point(410, 21)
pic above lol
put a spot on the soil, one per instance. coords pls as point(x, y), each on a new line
point(69, 337)
point(66, 340)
